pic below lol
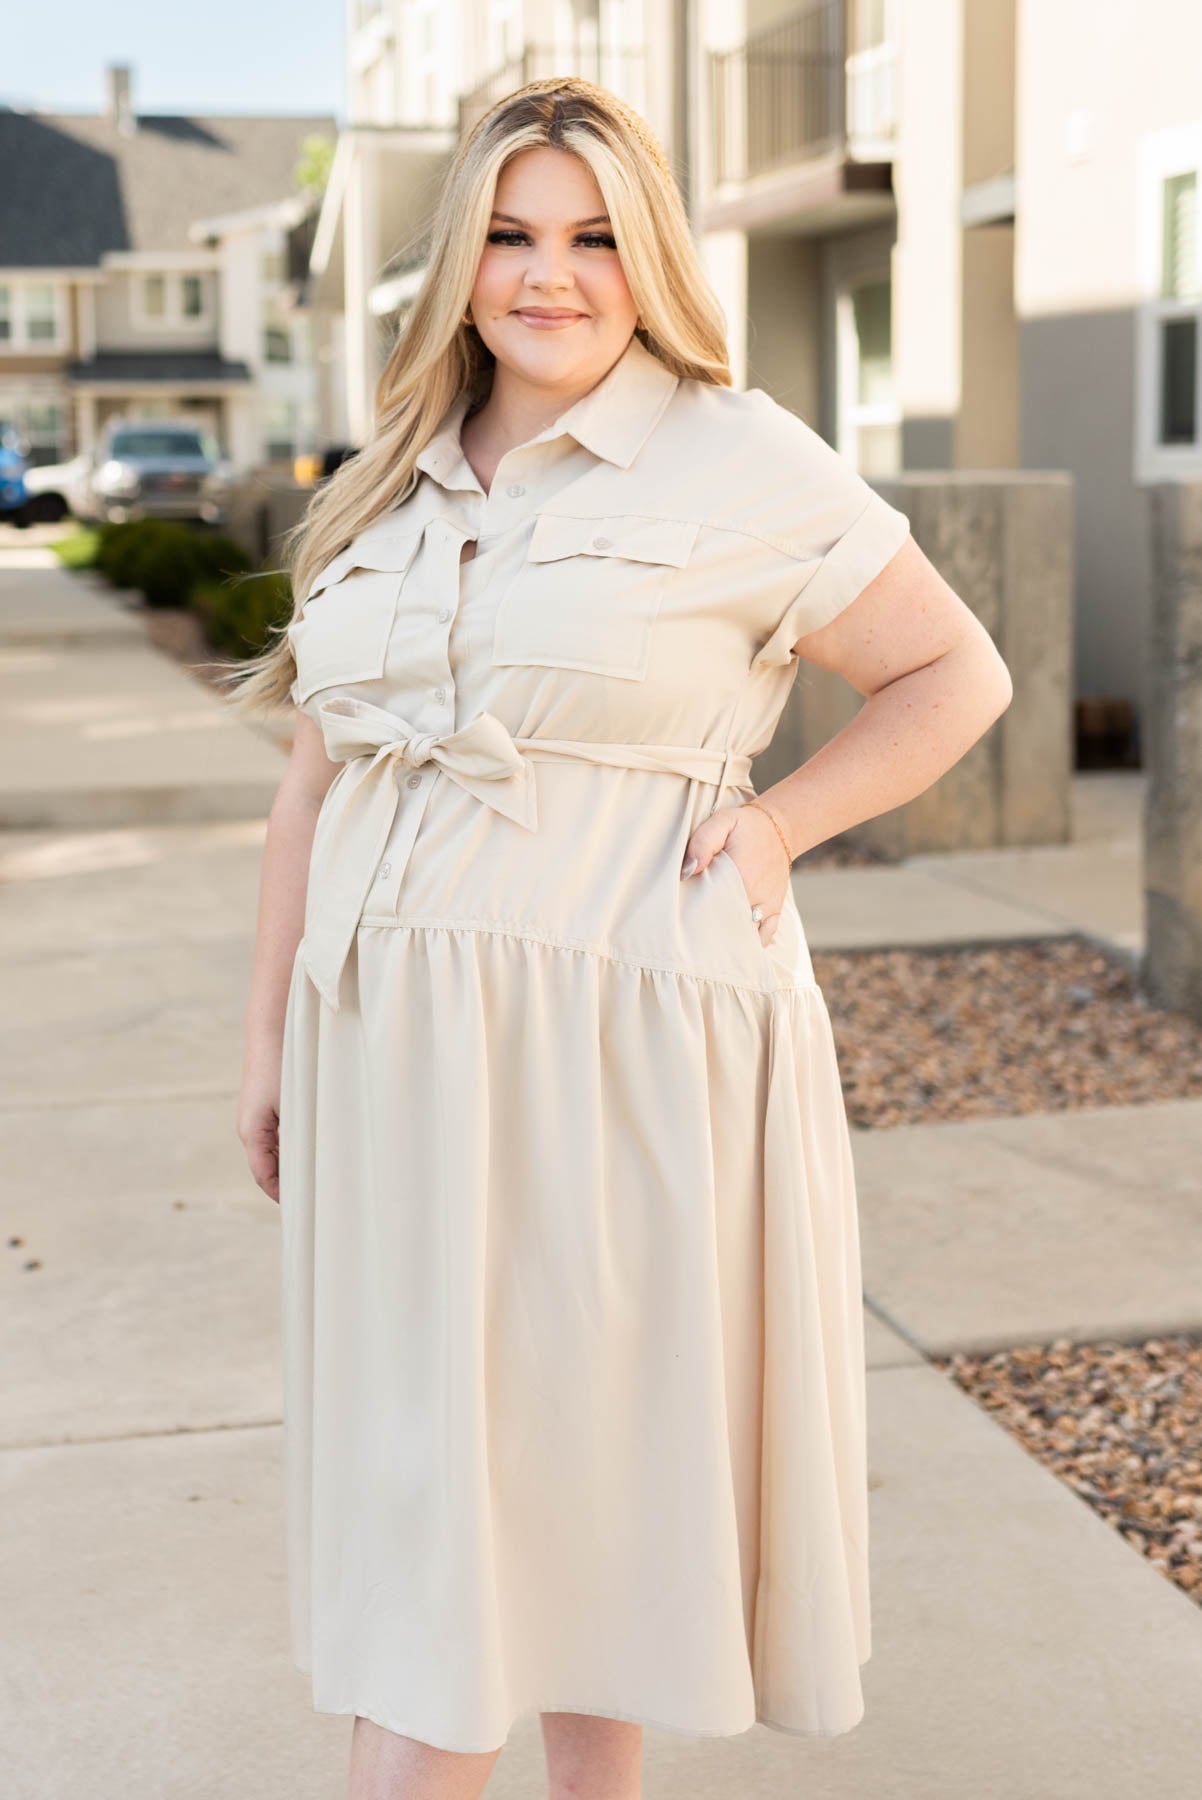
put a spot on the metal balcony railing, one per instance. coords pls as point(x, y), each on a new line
point(801, 86)
point(620, 70)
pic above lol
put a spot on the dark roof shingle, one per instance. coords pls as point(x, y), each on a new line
point(74, 186)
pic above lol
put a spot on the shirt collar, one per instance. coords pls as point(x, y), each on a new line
point(613, 420)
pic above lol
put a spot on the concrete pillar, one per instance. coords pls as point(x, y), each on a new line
point(1172, 967)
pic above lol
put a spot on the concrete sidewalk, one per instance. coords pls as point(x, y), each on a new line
point(1021, 1647)
point(1093, 885)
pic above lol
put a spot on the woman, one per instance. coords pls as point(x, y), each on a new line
point(574, 1376)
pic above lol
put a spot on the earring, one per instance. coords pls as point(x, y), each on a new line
point(467, 318)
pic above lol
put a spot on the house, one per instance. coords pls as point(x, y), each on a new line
point(153, 264)
point(951, 234)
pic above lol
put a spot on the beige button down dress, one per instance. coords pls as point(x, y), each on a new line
point(573, 1358)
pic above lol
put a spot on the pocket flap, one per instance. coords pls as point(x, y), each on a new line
point(390, 552)
point(635, 536)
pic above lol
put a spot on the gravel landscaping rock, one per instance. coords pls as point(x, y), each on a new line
point(1120, 1423)
point(1039, 1026)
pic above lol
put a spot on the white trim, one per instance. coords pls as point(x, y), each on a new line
point(988, 202)
point(330, 216)
point(156, 261)
point(1175, 151)
point(285, 213)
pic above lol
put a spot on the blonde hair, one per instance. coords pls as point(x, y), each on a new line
point(437, 356)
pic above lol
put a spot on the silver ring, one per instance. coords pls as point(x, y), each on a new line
point(757, 913)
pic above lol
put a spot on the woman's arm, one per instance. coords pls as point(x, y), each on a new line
point(934, 683)
point(282, 884)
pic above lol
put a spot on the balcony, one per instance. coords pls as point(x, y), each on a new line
point(815, 87)
point(620, 70)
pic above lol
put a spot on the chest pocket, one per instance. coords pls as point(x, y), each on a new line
point(587, 595)
point(343, 633)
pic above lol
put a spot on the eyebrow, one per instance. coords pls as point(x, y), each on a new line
point(601, 219)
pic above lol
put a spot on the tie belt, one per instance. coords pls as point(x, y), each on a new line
point(483, 758)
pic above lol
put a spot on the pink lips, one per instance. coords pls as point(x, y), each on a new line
point(544, 320)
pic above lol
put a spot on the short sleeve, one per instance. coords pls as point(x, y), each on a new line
point(841, 530)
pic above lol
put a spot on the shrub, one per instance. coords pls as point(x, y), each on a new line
point(120, 548)
point(165, 558)
point(242, 615)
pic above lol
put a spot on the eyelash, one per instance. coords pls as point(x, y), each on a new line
point(596, 237)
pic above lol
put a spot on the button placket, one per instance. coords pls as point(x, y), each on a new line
point(416, 785)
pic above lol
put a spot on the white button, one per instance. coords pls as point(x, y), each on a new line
point(440, 693)
point(385, 871)
point(515, 490)
point(444, 615)
point(414, 781)
point(602, 543)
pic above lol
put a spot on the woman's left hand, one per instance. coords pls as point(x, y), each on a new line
point(753, 846)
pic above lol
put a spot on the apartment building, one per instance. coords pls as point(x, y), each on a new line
point(155, 264)
point(951, 234)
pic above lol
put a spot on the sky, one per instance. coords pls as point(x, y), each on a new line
point(222, 56)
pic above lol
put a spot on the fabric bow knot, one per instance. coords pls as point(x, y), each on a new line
point(376, 745)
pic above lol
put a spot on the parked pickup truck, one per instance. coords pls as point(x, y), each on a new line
point(156, 468)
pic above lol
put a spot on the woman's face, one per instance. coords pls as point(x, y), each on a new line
point(550, 299)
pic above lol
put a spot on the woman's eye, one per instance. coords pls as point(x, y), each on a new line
point(586, 237)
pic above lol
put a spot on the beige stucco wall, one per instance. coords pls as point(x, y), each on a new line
point(988, 114)
point(926, 257)
point(1101, 85)
point(1115, 75)
point(783, 283)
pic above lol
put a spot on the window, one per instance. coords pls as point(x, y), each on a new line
point(1179, 280)
point(30, 314)
point(277, 344)
point(41, 317)
point(171, 299)
point(279, 430)
point(137, 441)
point(869, 415)
point(1169, 321)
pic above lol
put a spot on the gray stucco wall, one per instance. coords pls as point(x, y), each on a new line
point(1077, 412)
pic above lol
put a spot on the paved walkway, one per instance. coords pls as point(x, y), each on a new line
point(1021, 1647)
point(1093, 884)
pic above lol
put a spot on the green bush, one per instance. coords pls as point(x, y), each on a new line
point(120, 548)
point(242, 615)
point(165, 558)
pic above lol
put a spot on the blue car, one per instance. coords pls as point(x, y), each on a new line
point(12, 476)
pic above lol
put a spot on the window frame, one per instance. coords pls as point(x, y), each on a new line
point(1163, 156)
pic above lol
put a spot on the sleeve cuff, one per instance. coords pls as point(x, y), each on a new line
point(870, 541)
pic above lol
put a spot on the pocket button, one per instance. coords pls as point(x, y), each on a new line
point(602, 543)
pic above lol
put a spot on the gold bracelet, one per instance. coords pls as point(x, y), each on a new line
point(780, 834)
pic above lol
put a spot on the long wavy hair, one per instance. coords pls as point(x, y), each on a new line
point(437, 356)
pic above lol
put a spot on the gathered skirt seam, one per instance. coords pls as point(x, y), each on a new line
point(499, 928)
